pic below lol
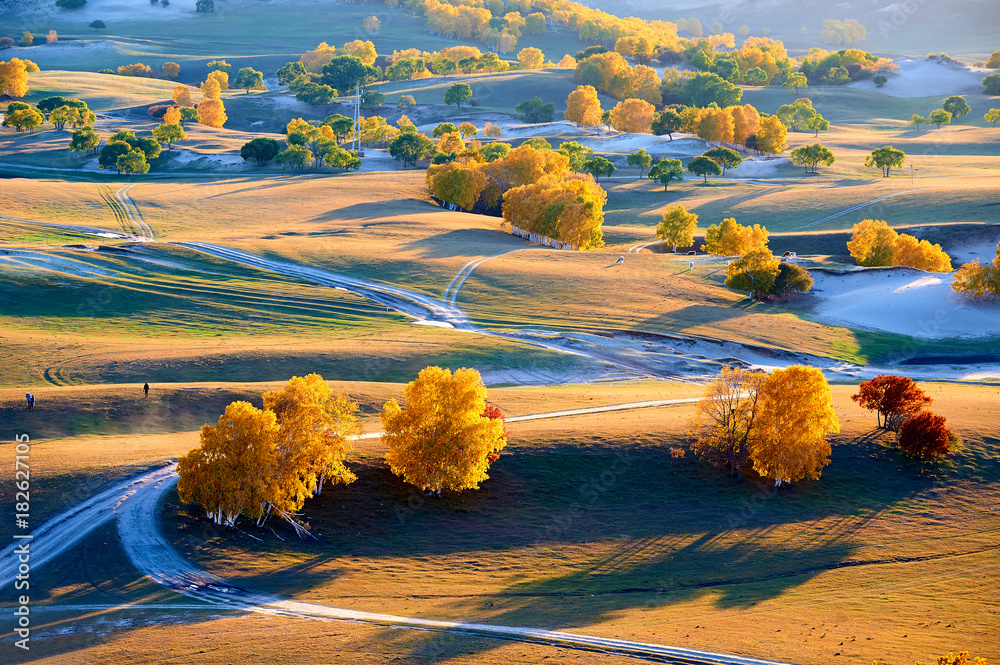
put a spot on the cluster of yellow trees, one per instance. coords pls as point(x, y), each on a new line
point(611, 74)
point(14, 76)
point(314, 60)
point(977, 280)
point(258, 462)
point(874, 243)
point(776, 423)
point(210, 111)
point(535, 188)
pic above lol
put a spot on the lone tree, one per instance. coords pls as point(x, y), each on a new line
point(204, 6)
point(640, 159)
point(445, 439)
point(795, 81)
point(991, 84)
point(812, 155)
point(893, 398)
point(249, 78)
point(956, 106)
point(940, 117)
point(993, 115)
point(704, 166)
point(885, 158)
point(666, 171)
point(677, 227)
point(260, 150)
point(534, 110)
point(457, 93)
point(97, 24)
point(598, 166)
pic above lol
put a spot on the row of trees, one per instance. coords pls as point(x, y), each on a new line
point(256, 462)
point(874, 243)
point(952, 108)
point(977, 280)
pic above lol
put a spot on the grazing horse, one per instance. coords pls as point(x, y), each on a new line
point(621, 260)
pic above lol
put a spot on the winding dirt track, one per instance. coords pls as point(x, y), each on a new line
point(135, 504)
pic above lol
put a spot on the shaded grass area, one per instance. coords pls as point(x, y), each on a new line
point(592, 524)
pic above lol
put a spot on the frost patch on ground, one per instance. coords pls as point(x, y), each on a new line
point(928, 78)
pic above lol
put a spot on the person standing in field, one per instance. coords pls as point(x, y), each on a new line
point(145, 390)
point(31, 401)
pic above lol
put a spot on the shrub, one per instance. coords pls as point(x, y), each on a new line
point(925, 436)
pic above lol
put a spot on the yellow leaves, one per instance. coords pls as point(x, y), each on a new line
point(874, 243)
point(212, 112)
point(796, 415)
point(172, 116)
point(530, 58)
point(633, 115)
point(210, 88)
point(14, 78)
point(570, 209)
point(733, 239)
point(489, 129)
point(450, 143)
point(772, 135)
point(182, 95)
point(755, 271)
point(746, 120)
point(365, 50)
point(725, 417)
point(567, 62)
point(441, 440)
point(717, 125)
point(584, 107)
point(677, 227)
point(456, 182)
point(221, 77)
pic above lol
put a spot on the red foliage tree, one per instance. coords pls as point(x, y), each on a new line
point(890, 396)
point(925, 436)
point(493, 412)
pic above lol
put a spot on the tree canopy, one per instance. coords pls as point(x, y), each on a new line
point(677, 226)
point(666, 171)
point(893, 398)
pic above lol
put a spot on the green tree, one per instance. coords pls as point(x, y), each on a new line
point(666, 171)
point(704, 89)
point(23, 119)
point(578, 155)
point(598, 166)
point(494, 151)
point(795, 81)
point(880, 80)
point(84, 139)
point(812, 155)
point(991, 84)
point(916, 119)
point(940, 117)
point(817, 123)
point(640, 159)
point(457, 94)
point(249, 78)
point(666, 123)
point(340, 125)
point(132, 162)
point(956, 106)
point(315, 94)
point(372, 99)
point(344, 72)
point(110, 153)
point(704, 167)
point(677, 227)
point(204, 6)
point(755, 271)
point(294, 157)
point(345, 160)
point(260, 150)
point(97, 24)
point(169, 133)
point(791, 279)
point(189, 114)
point(444, 128)
point(727, 158)
point(406, 102)
point(535, 111)
point(410, 147)
point(795, 115)
point(290, 71)
point(993, 115)
point(885, 158)
point(220, 66)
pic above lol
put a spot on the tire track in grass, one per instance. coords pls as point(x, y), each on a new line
point(855, 208)
point(451, 291)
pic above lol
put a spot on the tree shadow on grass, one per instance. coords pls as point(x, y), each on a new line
point(465, 243)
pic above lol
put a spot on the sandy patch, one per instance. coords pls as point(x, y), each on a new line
point(928, 78)
point(904, 301)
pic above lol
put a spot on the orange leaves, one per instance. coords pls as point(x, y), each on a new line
point(891, 396)
point(212, 112)
point(925, 435)
point(182, 95)
point(445, 438)
point(717, 125)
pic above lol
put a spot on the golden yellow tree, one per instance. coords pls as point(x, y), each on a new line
point(677, 227)
point(489, 129)
point(221, 77)
point(530, 58)
point(717, 126)
point(314, 428)
point(745, 122)
point(14, 78)
point(456, 182)
point(210, 88)
point(172, 116)
point(212, 112)
point(442, 440)
point(634, 116)
point(725, 418)
point(182, 95)
point(450, 143)
point(973, 279)
point(583, 107)
point(788, 442)
point(365, 50)
point(755, 272)
point(567, 62)
point(920, 254)
point(372, 24)
point(230, 473)
point(873, 243)
point(730, 238)
point(772, 135)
